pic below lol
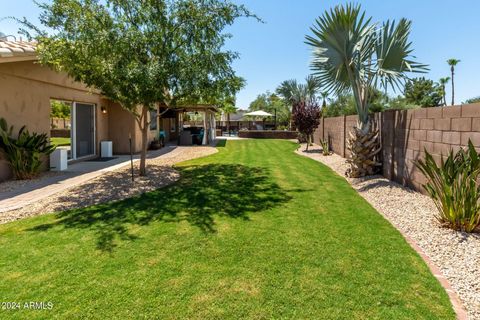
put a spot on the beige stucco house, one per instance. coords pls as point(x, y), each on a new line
point(27, 90)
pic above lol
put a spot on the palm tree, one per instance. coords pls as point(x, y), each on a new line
point(352, 54)
point(293, 92)
point(452, 63)
point(324, 95)
point(288, 91)
point(443, 82)
point(228, 107)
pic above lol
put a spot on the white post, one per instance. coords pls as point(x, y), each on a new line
point(205, 129)
point(213, 126)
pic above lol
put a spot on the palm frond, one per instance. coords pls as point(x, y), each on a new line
point(394, 54)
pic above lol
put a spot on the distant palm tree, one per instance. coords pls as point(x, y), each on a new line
point(293, 92)
point(452, 63)
point(288, 91)
point(324, 95)
point(443, 82)
point(228, 108)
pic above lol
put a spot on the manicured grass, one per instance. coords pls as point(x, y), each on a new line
point(253, 232)
point(60, 141)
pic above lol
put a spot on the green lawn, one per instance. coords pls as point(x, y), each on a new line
point(60, 141)
point(254, 231)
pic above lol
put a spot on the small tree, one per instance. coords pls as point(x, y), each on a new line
point(141, 53)
point(423, 92)
point(306, 118)
point(472, 100)
point(272, 103)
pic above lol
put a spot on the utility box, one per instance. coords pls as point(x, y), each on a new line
point(106, 149)
point(59, 160)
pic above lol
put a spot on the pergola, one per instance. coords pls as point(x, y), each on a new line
point(189, 130)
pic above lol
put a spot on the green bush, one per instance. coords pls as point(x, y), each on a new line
point(24, 153)
point(454, 187)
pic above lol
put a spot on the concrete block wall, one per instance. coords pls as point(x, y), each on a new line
point(406, 134)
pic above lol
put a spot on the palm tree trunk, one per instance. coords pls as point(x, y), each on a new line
point(228, 124)
point(453, 85)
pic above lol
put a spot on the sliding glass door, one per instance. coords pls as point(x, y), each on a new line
point(83, 130)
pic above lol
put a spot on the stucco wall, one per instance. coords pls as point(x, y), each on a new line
point(25, 92)
point(121, 124)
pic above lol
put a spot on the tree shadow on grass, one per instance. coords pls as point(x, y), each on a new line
point(202, 193)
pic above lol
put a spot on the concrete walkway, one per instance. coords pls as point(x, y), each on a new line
point(76, 174)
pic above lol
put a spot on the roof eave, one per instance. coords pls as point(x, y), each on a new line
point(18, 58)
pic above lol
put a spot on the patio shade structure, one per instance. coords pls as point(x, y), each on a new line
point(258, 113)
point(209, 124)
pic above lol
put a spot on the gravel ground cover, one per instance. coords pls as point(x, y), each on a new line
point(10, 185)
point(456, 254)
point(112, 186)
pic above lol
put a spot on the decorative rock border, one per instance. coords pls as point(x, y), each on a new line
point(337, 164)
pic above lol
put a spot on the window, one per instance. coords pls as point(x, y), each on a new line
point(172, 125)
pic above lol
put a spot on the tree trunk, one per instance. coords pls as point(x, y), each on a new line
point(143, 153)
point(453, 86)
point(228, 124)
point(364, 147)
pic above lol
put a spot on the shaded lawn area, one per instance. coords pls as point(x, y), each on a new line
point(254, 231)
point(58, 141)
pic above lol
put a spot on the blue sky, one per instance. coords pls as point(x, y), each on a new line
point(274, 51)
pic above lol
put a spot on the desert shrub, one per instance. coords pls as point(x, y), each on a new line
point(24, 153)
point(454, 187)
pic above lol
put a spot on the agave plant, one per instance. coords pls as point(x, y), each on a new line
point(352, 54)
point(24, 153)
point(325, 147)
point(454, 187)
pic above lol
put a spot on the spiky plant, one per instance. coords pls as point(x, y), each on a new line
point(352, 54)
point(24, 153)
point(325, 147)
point(453, 186)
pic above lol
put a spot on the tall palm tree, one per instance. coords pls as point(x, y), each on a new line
point(443, 82)
point(352, 54)
point(452, 63)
